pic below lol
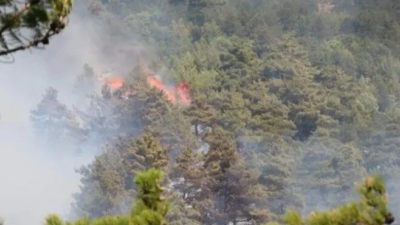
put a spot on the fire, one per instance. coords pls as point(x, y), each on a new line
point(176, 94)
point(181, 91)
point(154, 82)
point(114, 82)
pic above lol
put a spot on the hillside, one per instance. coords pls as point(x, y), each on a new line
point(261, 106)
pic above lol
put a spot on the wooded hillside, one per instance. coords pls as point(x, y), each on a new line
point(263, 106)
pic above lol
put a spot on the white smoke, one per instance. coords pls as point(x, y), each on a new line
point(35, 179)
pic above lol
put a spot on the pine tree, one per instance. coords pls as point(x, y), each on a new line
point(291, 78)
point(269, 115)
point(108, 180)
point(144, 153)
point(126, 112)
point(189, 175)
point(186, 70)
point(239, 64)
point(328, 169)
point(381, 151)
point(150, 206)
point(372, 209)
point(181, 213)
point(187, 178)
point(201, 114)
point(340, 95)
point(173, 132)
point(275, 158)
point(232, 114)
point(234, 191)
point(54, 121)
point(106, 185)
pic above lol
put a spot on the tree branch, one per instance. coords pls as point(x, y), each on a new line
point(16, 15)
point(13, 24)
point(33, 43)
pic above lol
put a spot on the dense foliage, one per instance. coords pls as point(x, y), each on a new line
point(371, 209)
point(291, 103)
point(150, 207)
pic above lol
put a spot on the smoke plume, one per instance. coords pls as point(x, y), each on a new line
point(35, 178)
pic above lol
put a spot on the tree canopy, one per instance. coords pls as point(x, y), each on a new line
point(251, 109)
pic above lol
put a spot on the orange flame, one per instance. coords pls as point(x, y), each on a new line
point(113, 82)
point(181, 91)
point(154, 82)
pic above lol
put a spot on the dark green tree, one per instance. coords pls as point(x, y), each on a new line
point(201, 114)
point(328, 169)
point(234, 191)
point(275, 158)
point(150, 206)
point(372, 209)
point(107, 182)
point(291, 78)
point(187, 178)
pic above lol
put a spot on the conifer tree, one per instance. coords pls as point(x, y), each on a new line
point(53, 120)
point(187, 178)
point(340, 89)
point(239, 64)
point(173, 132)
point(189, 175)
point(269, 115)
point(381, 151)
point(372, 209)
point(232, 114)
point(150, 206)
point(108, 180)
point(275, 158)
point(328, 169)
point(181, 213)
point(291, 78)
point(201, 114)
point(144, 153)
point(234, 190)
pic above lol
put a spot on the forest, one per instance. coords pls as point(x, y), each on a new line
point(243, 112)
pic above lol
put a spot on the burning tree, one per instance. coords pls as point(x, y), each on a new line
point(178, 93)
point(39, 19)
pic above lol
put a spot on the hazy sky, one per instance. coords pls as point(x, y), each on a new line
point(35, 182)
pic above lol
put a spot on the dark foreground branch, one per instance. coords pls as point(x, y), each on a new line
point(45, 18)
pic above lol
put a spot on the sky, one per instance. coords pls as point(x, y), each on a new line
point(34, 180)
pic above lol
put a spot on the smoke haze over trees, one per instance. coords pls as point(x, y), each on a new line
point(250, 108)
